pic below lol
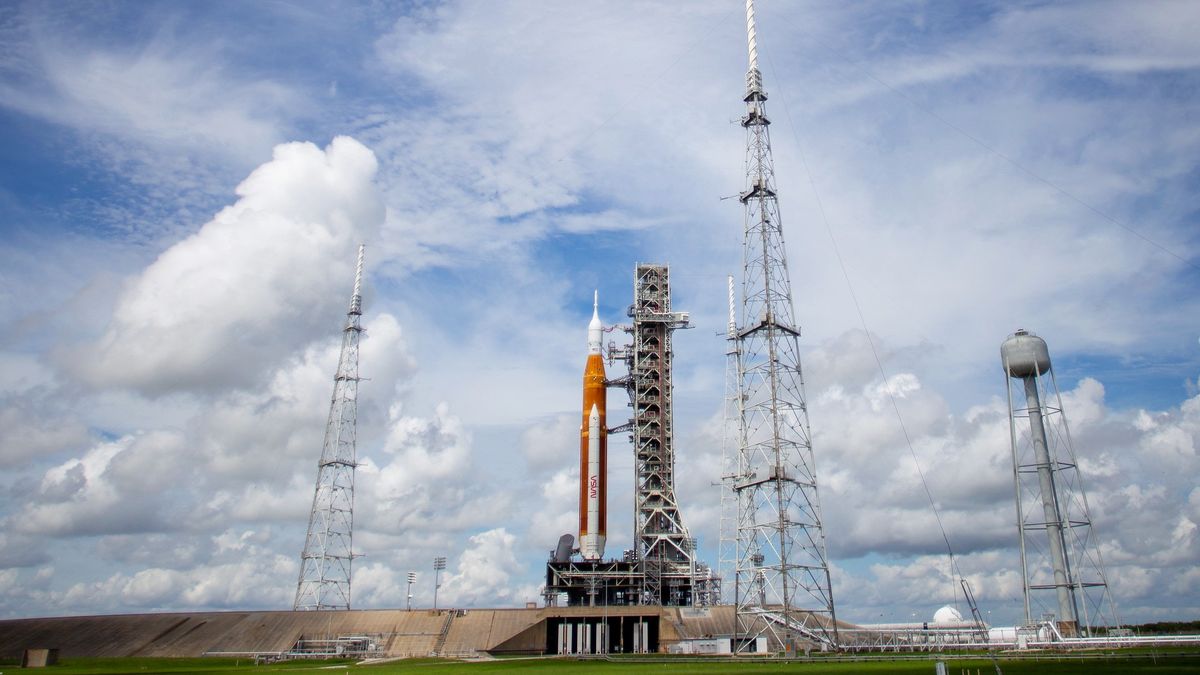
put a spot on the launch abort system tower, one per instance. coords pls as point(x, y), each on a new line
point(782, 574)
point(328, 552)
point(1061, 569)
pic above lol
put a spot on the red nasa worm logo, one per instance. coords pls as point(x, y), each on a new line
point(593, 486)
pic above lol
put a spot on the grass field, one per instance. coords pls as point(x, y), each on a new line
point(1157, 664)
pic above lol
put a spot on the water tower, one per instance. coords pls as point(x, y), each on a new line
point(1062, 572)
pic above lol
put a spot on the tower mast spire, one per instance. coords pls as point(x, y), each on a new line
point(782, 585)
point(753, 77)
point(328, 553)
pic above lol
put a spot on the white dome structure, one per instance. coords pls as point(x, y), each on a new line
point(946, 615)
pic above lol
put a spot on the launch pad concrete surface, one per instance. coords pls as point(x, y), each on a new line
point(396, 633)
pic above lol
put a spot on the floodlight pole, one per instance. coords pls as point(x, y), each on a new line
point(439, 564)
point(412, 578)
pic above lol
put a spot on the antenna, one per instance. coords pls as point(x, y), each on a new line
point(732, 309)
point(356, 299)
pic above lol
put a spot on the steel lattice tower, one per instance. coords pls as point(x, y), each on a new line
point(671, 575)
point(328, 553)
point(1062, 570)
point(782, 576)
point(731, 444)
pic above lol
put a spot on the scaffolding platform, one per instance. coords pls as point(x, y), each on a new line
point(608, 583)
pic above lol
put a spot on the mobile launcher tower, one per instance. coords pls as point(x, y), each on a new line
point(1062, 571)
point(662, 568)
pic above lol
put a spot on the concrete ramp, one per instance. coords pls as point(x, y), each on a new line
point(395, 633)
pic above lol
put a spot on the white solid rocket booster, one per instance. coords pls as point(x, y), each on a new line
point(593, 547)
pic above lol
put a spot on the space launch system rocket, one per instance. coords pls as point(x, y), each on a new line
point(593, 447)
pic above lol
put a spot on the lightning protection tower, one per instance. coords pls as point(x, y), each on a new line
point(1062, 571)
point(782, 574)
point(731, 444)
point(328, 553)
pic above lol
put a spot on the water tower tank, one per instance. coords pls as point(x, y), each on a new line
point(1025, 354)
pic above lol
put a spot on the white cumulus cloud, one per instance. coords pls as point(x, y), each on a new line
point(255, 282)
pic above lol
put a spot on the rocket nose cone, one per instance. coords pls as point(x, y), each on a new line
point(595, 328)
point(595, 324)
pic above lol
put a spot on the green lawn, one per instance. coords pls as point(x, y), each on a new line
point(1157, 665)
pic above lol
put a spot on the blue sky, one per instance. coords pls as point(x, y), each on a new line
point(178, 233)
